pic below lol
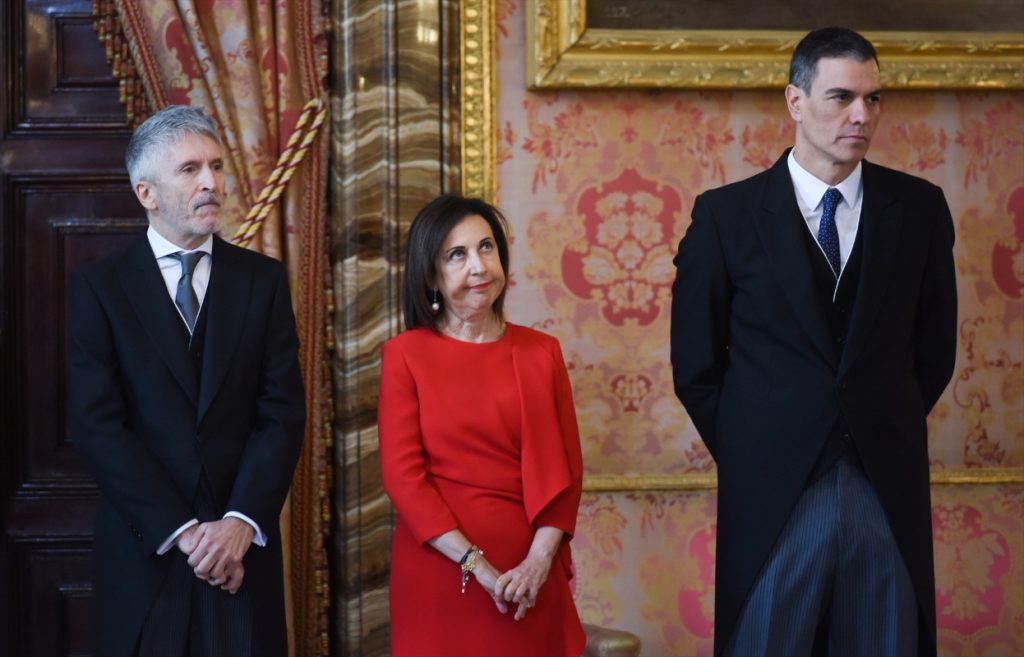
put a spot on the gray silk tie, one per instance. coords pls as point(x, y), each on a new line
point(185, 298)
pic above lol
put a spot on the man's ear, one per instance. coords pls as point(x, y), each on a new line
point(794, 99)
point(144, 192)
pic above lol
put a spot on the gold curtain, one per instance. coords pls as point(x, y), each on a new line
point(252, 66)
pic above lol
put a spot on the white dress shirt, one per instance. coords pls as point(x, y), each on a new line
point(810, 191)
point(170, 269)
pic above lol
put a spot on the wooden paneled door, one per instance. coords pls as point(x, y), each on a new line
point(64, 200)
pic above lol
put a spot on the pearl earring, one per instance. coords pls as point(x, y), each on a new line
point(435, 306)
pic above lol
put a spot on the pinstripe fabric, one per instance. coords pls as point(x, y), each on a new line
point(221, 623)
point(165, 632)
point(835, 565)
point(191, 618)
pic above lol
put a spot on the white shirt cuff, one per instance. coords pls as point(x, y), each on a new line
point(169, 543)
point(259, 538)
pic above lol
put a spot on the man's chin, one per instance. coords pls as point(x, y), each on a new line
point(206, 227)
point(850, 155)
point(856, 148)
point(208, 218)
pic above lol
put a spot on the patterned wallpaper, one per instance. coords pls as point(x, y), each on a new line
point(598, 186)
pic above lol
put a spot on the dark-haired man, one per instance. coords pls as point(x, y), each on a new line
point(187, 403)
point(813, 328)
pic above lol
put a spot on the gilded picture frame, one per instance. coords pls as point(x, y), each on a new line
point(564, 52)
point(1004, 68)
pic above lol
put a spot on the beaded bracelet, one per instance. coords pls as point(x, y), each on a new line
point(468, 562)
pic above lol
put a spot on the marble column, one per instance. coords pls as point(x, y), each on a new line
point(394, 103)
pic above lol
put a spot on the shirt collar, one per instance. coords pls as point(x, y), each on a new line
point(163, 247)
point(811, 189)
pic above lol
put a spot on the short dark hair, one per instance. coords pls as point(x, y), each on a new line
point(427, 234)
point(820, 44)
point(158, 131)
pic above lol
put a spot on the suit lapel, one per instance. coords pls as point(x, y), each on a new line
point(227, 298)
point(881, 221)
point(147, 293)
point(779, 223)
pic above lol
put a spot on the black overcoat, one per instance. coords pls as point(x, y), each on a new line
point(147, 423)
point(755, 364)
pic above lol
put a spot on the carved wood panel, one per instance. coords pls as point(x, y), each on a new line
point(58, 233)
point(66, 82)
point(54, 584)
point(64, 200)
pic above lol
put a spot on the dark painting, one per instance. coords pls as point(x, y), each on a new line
point(801, 15)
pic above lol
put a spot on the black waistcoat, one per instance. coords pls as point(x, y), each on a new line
point(195, 343)
point(837, 304)
point(204, 502)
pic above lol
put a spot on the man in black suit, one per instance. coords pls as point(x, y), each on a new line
point(186, 401)
point(813, 328)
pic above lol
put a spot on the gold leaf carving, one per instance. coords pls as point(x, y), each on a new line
point(564, 53)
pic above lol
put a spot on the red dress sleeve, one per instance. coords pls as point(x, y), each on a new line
point(552, 469)
point(561, 511)
point(401, 450)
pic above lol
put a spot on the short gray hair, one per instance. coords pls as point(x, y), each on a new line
point(160, 130)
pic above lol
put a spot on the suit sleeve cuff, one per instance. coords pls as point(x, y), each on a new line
point(259, 538)
point(169, 543)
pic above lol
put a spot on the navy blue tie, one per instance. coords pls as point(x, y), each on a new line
point(828, 236)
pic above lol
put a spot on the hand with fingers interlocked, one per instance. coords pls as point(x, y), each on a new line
point(215, 551)
point(520, 585)
point(487, 576)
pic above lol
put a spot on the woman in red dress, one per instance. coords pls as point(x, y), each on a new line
point(480, 454)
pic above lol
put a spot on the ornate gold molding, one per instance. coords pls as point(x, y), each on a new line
point(980, 476)
point(563, 52)
point(477, 91)
point(644, 483)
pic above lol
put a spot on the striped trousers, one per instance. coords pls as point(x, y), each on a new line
point(834, 583)
point(191, 618)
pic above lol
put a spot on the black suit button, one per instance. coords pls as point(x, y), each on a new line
point(840, 340)
point(842, 386)
point(846, 438)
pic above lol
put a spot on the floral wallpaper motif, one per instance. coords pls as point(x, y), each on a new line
point(974, 559)
point(979, 569)
point(624, 261)
point(598, 186)
point(653, 555)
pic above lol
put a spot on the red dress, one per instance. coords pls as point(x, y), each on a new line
point(483, 438)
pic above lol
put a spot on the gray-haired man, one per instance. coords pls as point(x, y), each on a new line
point(187, 402)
